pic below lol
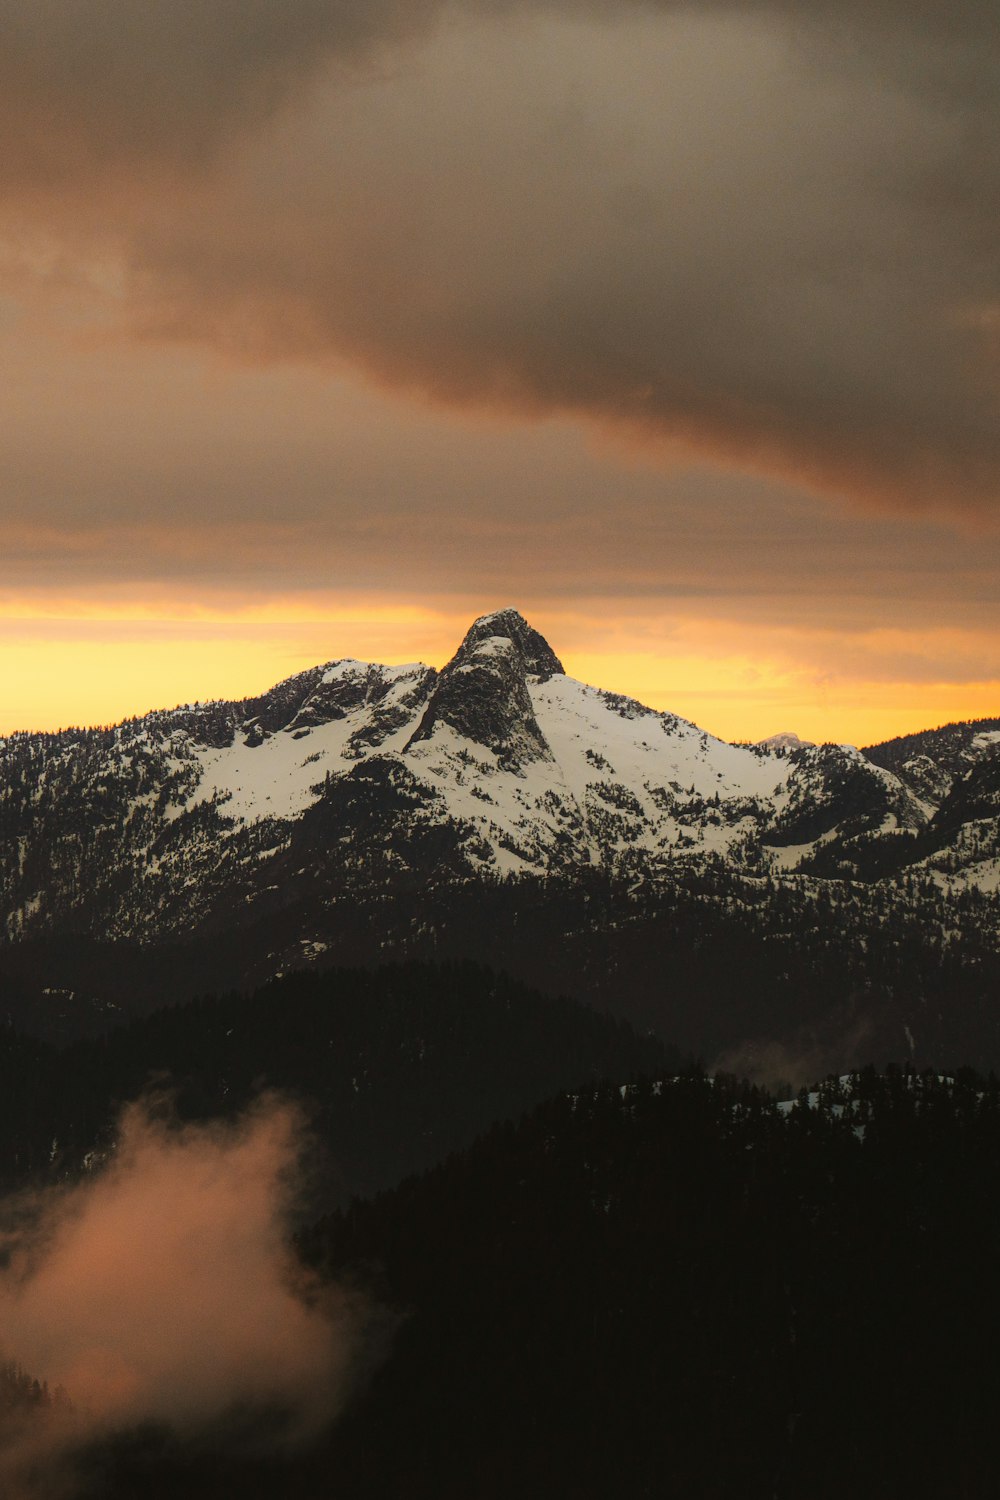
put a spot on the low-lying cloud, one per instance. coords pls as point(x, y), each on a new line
point(163, 1290)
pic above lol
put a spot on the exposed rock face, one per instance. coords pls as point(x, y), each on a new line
point(482, 694)
point(537, 656)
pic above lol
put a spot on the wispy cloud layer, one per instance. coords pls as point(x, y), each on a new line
point(763, 230)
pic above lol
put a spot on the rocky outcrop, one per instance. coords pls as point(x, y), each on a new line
point(482, 694)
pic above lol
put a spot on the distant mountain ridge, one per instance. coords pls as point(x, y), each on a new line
point(786, 739)
point(343, 814)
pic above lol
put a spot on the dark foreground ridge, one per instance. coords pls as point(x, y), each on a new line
point(670, 1289)
point(394, 1069)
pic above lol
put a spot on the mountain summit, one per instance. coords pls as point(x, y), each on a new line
point(352, 809)
point(518, 769)
point(536, 654)
point(482, 694)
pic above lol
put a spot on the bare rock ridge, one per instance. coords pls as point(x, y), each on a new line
point(509, 624)
point(482, 694)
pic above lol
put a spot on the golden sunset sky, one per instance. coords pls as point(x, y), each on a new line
point(325, 328)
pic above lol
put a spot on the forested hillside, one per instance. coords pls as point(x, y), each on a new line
point(672, 1288)
point(394, 1068)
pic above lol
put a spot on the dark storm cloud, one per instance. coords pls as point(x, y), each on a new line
point(764, 230)
point(127, 79)
point(85, 84)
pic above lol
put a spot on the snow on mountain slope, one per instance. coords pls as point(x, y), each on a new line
point(933, 760)
point(547, 773)
point(279, 775)
point(547, 770)
point(642, 747)
point(498, 765)
point(607, 780)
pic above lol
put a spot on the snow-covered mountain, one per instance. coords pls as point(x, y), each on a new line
point(786, 739)
point(366, 784)
point(527, 770)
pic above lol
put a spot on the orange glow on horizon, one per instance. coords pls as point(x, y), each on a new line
point(854, 713)
point(67, 661)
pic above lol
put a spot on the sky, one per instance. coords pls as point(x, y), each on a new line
point(327, 327)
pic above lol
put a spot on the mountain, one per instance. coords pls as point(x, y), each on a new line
point(786, 740)
point(501, 810)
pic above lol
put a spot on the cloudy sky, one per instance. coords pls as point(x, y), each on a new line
point(326, 325)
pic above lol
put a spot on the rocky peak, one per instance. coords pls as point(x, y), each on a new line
point(482, 694)
point(787, 739)
point(536, 655)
